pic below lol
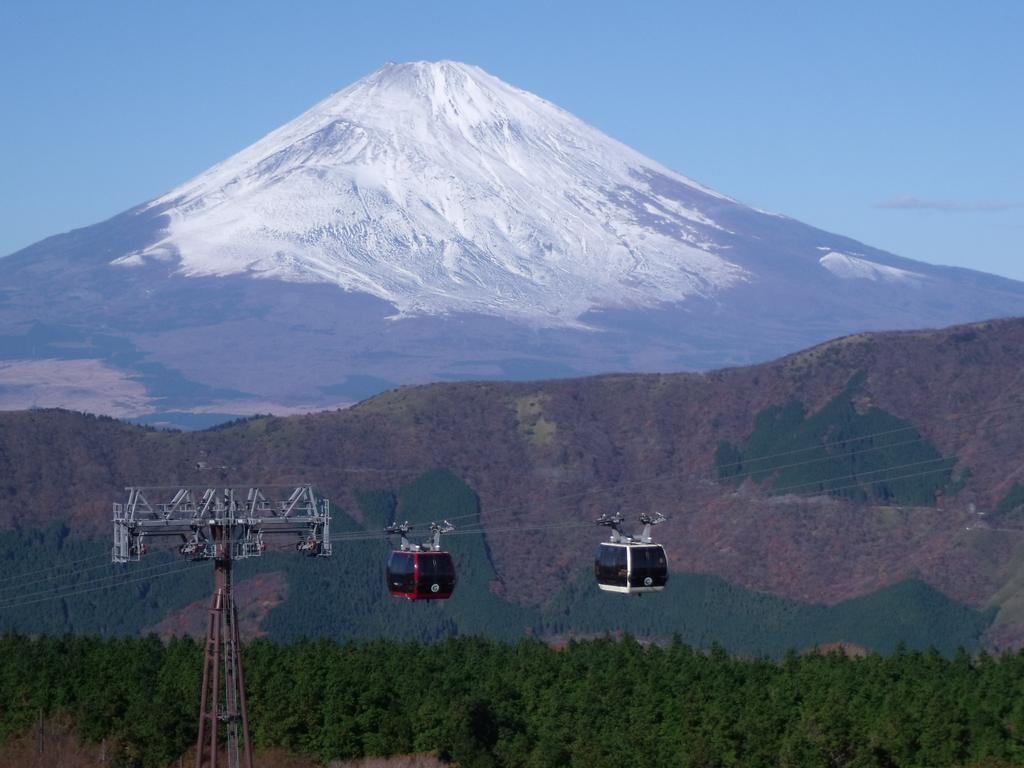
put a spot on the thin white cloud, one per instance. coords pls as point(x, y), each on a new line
point(911, 203)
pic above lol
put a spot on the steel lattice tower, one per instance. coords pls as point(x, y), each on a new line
point(223, 525)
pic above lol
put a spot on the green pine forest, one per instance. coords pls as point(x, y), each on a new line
point(483, 703)
point(842, 450)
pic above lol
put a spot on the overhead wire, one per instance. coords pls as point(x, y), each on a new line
point(613, 487)
point(114, 580)
point(58, 565)
point(369, 535)
point(866, 478)
point(863, 476)
point(993, 528)
point(54, 567)
point(617, 487)
point(114, 574)
point(489, 531)
point(702, 477)
point(479, 527)
point(8, 587)
point(8, 602)
point(518, 528)
point(744, 462)
point(173, 567)
point(75, 592)
point(924, 473)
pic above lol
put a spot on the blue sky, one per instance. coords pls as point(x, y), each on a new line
point(899, 124)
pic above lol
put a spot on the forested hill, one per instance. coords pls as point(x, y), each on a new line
point(485, 704)
point(829, 476)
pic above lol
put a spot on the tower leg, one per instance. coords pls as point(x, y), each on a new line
point(243, 704)
point(204, 712)
point(230, 687)
point(223, 654)
point(218, 638)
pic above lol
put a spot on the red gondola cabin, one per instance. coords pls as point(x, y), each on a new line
point(421, 571)
point(421, 575)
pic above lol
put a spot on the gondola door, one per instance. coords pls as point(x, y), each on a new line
point(611, 567)
point(435, 576)
point(648, 569)
point(402, 574)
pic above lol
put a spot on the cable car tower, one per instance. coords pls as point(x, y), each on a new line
point(222, 524)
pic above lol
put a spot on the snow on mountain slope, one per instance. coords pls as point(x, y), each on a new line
point(855, 268)
point(478, 231)
point(439, 188)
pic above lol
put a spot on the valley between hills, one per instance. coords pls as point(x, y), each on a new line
point(868, 490)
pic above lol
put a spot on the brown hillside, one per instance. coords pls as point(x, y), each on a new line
point(255, 596)
point(572, 449)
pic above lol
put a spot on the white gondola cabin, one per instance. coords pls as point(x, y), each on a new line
point(628, 565)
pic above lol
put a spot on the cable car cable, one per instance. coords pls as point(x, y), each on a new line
point(859, 485)
point(864, 479)
point(823, 445)
point(751, 472)
point(11, 582)
point(57, 566)
point(113, 580)
point(863, 475)
point(696, 478)
point(8, 587)
point(188, 567)
point(784, 489)
point(94, 580)
point(955, 417)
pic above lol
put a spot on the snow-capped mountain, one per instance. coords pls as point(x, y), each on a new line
point(433, 222)
point(439, 188)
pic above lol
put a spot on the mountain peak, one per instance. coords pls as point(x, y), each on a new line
point(427, 80)
point(427, 71)
point(442, 86)
point(427, 96)
point(424, 191)
point(440, 188)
